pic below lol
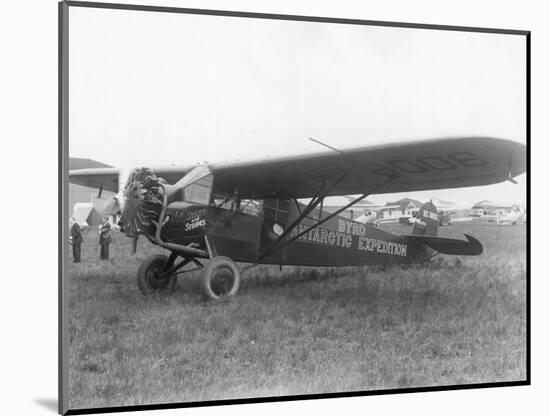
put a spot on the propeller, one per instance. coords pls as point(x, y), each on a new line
point(134, 243)
point(142, 204)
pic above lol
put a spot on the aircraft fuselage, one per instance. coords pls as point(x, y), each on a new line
point(243, 237)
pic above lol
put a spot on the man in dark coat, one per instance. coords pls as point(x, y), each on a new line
point(76, 240)
point(105, 240)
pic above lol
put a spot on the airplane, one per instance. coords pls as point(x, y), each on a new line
point(370, 218)
point(248, 211)
point(445, 217)
point(513, 218)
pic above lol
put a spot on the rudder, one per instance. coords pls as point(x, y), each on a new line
point(427, 220)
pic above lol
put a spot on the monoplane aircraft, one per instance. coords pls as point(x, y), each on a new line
point(253, 211)
point(513, 218)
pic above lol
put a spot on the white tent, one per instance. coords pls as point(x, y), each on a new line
point(86, 215)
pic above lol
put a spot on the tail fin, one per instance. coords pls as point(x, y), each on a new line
point(427, 220)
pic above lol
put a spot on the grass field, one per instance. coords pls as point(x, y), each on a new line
point(297, 331)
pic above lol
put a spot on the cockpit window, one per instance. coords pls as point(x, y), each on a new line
point(234, 203)
point(199, 192)
point(197, 185)
point(223, 201)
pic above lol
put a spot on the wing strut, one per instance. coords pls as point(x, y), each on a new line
point(313, 203)
point(280, 243)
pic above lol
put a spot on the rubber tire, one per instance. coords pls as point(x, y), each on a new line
point(210, 270)
point(155, 260)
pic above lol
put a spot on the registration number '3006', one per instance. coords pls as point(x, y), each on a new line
point(424, 164)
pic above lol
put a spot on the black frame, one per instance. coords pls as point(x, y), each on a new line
point(63, 126)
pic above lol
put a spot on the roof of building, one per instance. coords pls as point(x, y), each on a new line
point(404, 203)
point(344, 200)
point(490, 204)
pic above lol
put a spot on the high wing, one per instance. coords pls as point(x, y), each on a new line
point(410, 166)
point(108, 178)
point(399, 167)
point(101, 178)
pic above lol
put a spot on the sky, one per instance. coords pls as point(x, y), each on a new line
point(161, 89)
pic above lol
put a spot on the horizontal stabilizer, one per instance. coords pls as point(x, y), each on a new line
point(443, 245)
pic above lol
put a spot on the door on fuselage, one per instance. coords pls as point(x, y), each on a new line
point(234, 226)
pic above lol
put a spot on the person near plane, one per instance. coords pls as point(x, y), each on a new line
point(76, 239)
point(105, 239)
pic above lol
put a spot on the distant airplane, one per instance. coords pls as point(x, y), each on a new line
point(370, 218)
point(249, 211)
point(512, 218)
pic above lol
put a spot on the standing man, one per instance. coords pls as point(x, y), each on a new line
point(76, 239)
point(105, 239)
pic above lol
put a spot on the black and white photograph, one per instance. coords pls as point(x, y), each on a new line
point(260, 207)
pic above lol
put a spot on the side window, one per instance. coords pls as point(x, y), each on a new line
point(276, 210)
point(251, 207)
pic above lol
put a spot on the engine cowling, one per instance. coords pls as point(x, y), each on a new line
point(146, 198)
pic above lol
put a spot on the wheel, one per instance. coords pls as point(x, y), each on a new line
point(220, 278)
point(148, 276)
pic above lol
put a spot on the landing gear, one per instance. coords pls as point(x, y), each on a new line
point(159, 274)
point(220, 278)
point(151, 277)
